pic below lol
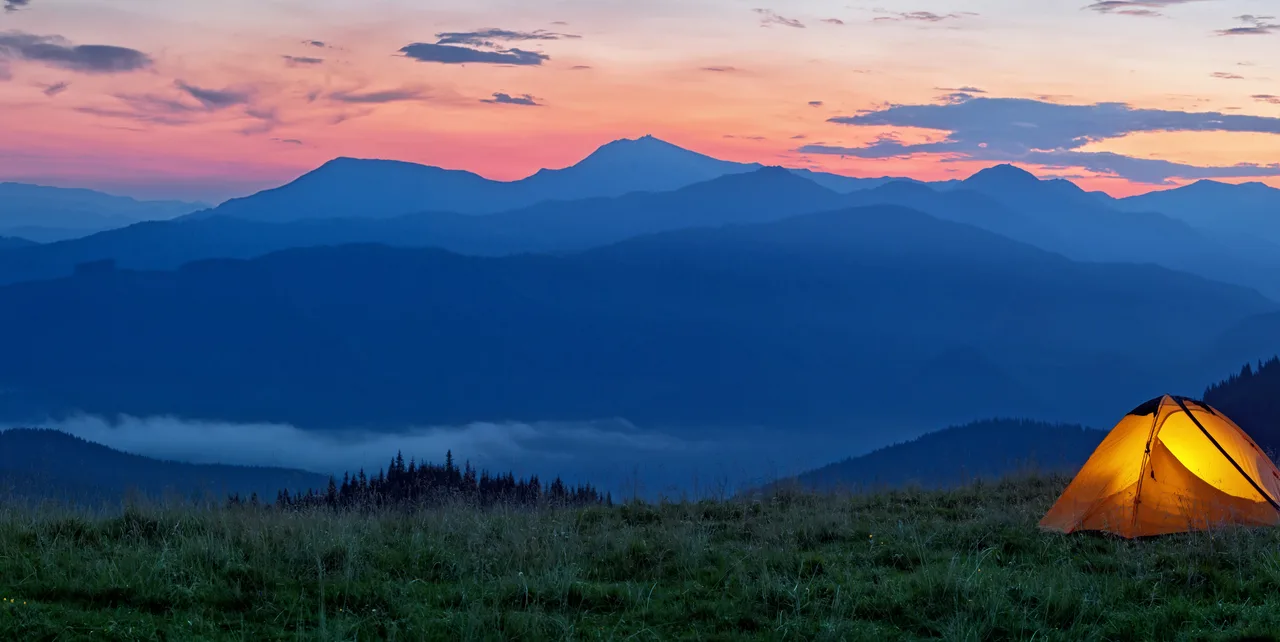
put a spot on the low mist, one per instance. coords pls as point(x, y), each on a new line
point(613, 455)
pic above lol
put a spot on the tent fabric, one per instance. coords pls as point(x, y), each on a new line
point(1171, 465)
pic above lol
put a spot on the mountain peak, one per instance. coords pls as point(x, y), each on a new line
point(352, 161)
point(345, 161)
point(382, 169)
point(646, 144)
point(1005, 173)
point(769, 179)
point(768, 170)
point(647, 163)
point(1206, 184)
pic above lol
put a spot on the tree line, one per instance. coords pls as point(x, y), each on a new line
point(1251, 398)
point(413, 484)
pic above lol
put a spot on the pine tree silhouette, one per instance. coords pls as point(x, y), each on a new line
point(425, 484)
point(1251, 399)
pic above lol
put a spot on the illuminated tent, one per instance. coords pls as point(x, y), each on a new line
point(1171, 465)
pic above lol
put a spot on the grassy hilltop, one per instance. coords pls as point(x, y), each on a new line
point(965, 564)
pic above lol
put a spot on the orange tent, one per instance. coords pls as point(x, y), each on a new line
point(1171, 465)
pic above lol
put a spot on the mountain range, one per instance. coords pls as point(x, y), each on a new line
point(11, 242)
point(1053, 214)
point(958, 455)
point(646, 282)
point(816, 320)
point(1248, 210)
point(364, 188)
point(38, 465)
point(43, 214)
point(761, 195)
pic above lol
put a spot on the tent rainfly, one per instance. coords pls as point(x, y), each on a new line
point(1171, 465)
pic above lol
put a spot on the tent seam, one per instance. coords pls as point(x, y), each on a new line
point(1146, 456)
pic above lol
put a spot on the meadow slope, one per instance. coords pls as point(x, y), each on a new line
point(966, 564)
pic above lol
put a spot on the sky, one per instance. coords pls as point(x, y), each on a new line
point(206, 101)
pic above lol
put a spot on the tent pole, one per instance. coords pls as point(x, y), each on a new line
point(1255, 485)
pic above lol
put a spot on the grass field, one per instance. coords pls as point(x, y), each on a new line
point(968, 564)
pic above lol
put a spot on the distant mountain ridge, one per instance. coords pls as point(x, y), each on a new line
point(765, 194)
point(575, 207)
point(360, 188)
point(1089, 227)
point(42, 213)
point(815, 320)
point(646, 164)
point(1052, 215)
point(42, 464)
point(11, 242)
point(987, 449)
point(366, 188)
point(1233, 211)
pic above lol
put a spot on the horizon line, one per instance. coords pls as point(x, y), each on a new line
point(305, 172)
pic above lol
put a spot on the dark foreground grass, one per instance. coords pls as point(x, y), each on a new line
point(961, 565)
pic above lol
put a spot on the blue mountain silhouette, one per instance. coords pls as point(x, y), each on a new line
point(42, 213)
point(1235, 211)
point(51, 465)
point(1087, 227)
point(348, 187)
point(958, 455)
point(817, 320)
point(761, 195)
point(11, 242)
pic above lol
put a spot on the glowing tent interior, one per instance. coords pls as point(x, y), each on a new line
point(1171, 465)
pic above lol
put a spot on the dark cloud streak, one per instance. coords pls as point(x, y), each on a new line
point(955, 97)
point(506, 99)
point(483, 47)
point(57, 51)
point(1141, 8)
point(455, 55)
point(378, 97)
point(769, 18)
point(189, 104)
point(1011, 129)
point(490, 37)
point(214, 98)
point(922, 16)
point(301, 61)
point(1256, 26)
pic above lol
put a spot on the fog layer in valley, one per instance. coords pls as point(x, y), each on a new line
point(610, 454)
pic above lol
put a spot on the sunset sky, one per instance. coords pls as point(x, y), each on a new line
point(208, 100)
